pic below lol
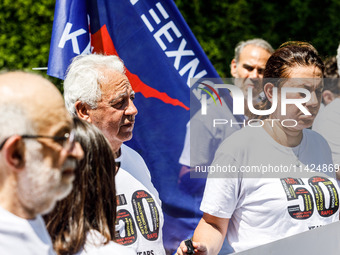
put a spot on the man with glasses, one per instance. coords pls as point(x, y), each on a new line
point(97, 90)
point(37, 157)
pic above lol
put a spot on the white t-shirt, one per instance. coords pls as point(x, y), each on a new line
point(24, 237)
point(327, 123)
point(93, 246)
point(262, 210)
point(139, 212)
point(202, 138)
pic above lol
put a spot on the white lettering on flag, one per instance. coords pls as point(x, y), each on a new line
point(154, 16)
point(153, 22)
point(164, 31)
point(179, 53)
point(192, 66)
point(88, 49)
point(147, 23)
point(133, 2)
point(71, 36)
point(162, 11)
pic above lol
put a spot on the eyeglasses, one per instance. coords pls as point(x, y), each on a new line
point(67, 141)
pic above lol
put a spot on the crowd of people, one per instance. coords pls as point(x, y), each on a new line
point(65, 159)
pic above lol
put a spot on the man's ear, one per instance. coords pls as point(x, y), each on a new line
point(327, 96)
point(268, 90)
point(14, 151)
point(233, 67)
point(82, 110)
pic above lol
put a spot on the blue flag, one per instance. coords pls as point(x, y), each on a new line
point(160, 54)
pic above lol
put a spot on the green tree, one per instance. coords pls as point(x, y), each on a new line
point(220, 25)
point(25, 34)
point(26, 27)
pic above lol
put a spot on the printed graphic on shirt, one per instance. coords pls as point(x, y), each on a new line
point(151, 252)
point(121, 200)
point(145, 216)
point(296, 188)
point(314, 227)
point(149, 231)
point(320, 201)
point(128, 235)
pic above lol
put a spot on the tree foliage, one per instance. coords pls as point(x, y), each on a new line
point(25, 34)
point(220, 25)
point(26, 27)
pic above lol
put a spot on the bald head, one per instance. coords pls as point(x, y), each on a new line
point(21, 84)
point(40, 100)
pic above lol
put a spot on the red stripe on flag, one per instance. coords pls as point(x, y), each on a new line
point(102, 43)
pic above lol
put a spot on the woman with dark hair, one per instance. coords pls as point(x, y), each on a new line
point(83, 223)
point(270, 190)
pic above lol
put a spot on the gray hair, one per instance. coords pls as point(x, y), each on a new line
point(83, 78)
point(256, 42)
point(14, 121)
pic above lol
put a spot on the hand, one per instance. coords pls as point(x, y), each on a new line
point(200, 249)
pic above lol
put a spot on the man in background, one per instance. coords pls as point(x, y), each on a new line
point(248, 65)
point(247, 68)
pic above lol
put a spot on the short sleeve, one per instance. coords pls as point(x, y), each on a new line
point(221, 193)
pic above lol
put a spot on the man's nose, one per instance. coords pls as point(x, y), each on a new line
point(131, 109)
point(254, 73)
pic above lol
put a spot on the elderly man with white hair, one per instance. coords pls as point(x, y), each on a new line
point(97, 90)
